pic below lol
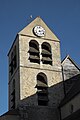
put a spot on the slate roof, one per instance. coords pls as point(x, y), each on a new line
point(74, 90)
point(68, 57)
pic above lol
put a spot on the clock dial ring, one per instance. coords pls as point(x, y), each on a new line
point(39, 31)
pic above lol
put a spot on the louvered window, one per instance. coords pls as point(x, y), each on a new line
point(15, 58)
point(13, 63)
point(42, 89)
point(34, 52)
point(13, 95)
point(46, 53)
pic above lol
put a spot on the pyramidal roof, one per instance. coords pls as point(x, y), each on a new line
point(28, 30)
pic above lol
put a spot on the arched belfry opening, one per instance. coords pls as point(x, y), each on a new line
point(46, 53)
point(42, 89)
point(34, 51)
point(13, 95)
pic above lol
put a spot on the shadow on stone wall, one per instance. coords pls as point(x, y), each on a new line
point(56, 93)
point(41, 112)
point(28, 108)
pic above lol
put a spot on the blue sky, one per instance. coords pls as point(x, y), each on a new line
point(62, 16)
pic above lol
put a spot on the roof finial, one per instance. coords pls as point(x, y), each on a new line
point(31, 16)
point(29, 19)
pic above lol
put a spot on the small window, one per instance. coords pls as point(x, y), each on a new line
point(34, 51)
point(71, 108)
point(42, 89)
point(13, 95)
point(46, 53)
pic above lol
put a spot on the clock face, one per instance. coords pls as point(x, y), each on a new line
point(39, 31)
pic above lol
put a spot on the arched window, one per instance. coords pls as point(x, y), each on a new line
point(13, 95)
point(46, 53)
point(42, 89)
point(34, 51)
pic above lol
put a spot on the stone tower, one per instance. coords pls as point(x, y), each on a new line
point(35, 77)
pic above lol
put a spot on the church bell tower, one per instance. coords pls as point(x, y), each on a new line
point(35, 77)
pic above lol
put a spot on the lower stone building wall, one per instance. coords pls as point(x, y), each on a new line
point(66, 109)
point(39, 113)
